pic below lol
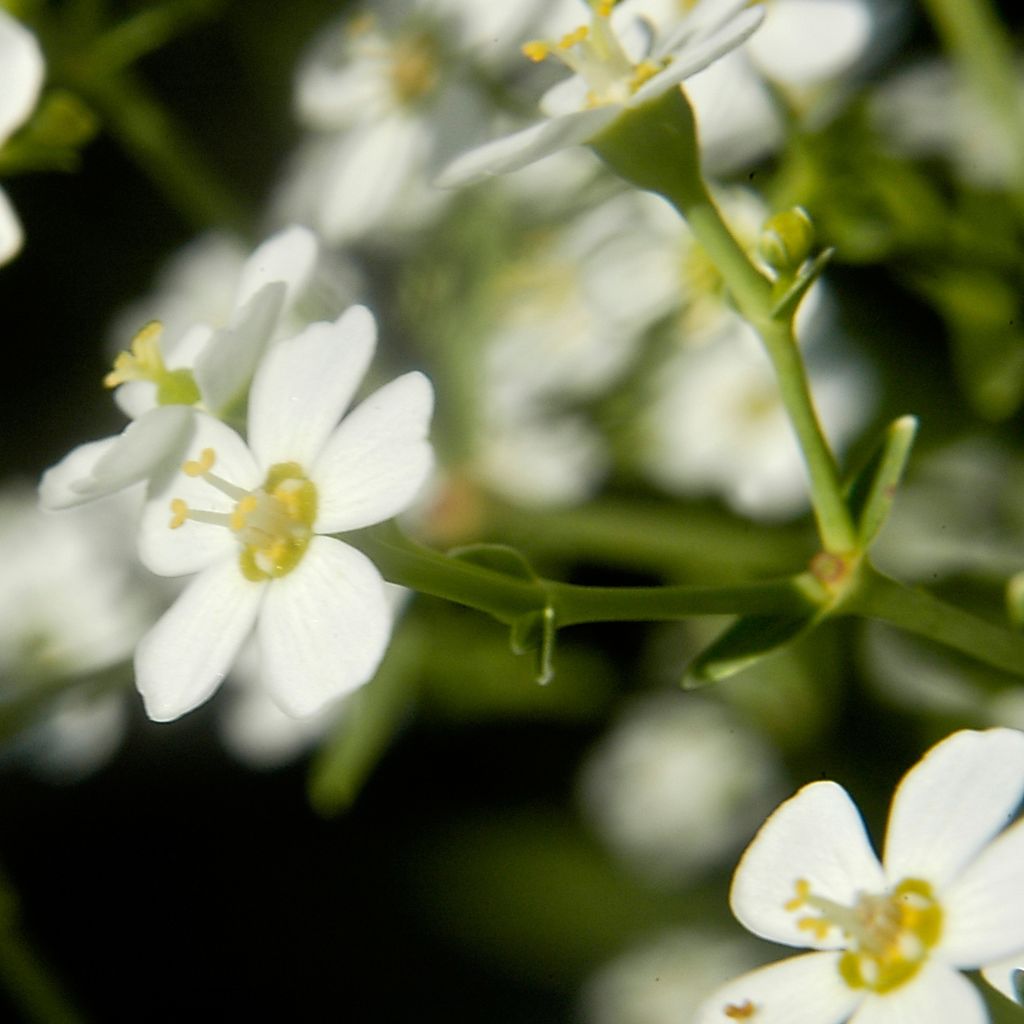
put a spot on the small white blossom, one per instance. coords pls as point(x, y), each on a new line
point(620, 61)
point(21, 78)
point(890, 938)
point(203, 368)
point(252, 519)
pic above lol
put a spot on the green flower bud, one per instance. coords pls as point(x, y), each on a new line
point(786, 240)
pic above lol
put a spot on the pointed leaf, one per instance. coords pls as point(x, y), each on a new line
point(747, 640)
point(787, 303)
point(498, 558)
point(870, 493)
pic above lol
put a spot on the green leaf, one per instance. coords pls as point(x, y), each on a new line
point(369, 721)
point(746, 641)
point(498, 558)
point(785, 306)
point(535, 631)
point(870, 493)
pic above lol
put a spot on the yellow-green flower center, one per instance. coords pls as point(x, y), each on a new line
point(888, 937)
point(273, 522)
point(594, 53)
point(415, 70)
point(144, 362)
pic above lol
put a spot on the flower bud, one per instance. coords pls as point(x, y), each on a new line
point(786, 240)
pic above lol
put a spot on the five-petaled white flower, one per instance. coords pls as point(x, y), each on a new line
point(206, 368)
point(21, 78)
point(890, 938)
point(620, 61)
point(251, 519)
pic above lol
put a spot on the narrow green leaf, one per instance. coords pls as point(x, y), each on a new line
point(870, 493)
point(498, 558)
point(785, 305)
point(746, 641)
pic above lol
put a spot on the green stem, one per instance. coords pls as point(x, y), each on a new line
point(880, 597)
point(24, 975)
point(972, 33)
point(655, 147)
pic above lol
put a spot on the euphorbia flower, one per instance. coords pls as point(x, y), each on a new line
point(252, 519)
point(620, 61)
point(890, 938)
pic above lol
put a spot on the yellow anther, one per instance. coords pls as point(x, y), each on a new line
point(803, 890)
point(536, 50)
point(243, 510)
point(179, 513)
point(197, 467)
point(571, 39)
point(143, 361)
point(643, 72)
point(819, 927)
point(740, 1011)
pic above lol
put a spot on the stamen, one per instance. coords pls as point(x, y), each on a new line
point(143, 361)
point(179, 513)
point(536, 50)
point(200, 466)
point(742, 1011)
point(571, 39)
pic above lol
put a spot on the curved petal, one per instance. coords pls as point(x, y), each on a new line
point(181, 661)
point(229, 359)
point(937, 995)
point(305, 384)
point(194, 545)
point(952, 802)
point(803, 42)
point(377, 460)
point(145, 450)
point(21, 74)
point(816, 836)
point(1007, 977)
point(801, 990)
point(524, 147)
point(323, 628)
point(289, 257)
point(984, 907)
point(11, 236)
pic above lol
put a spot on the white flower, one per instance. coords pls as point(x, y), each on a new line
point(205, 368)
point(21, 78)
point(889, 938)
point(619, 63)
point(251, 520)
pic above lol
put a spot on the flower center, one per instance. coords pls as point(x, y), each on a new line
point(595, 54)
point(145, 362)
point(273, 522)
point(415, 68)
point(888, 936)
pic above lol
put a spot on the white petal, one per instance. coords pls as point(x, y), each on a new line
point(937, 995)
point(227, 362)
point(145, 450)
point(289, 257)
point(194, 545)
point(378, 459)
point(801, 990)
point(1006, 977)
point(11, 236)
point(952, 802)
point(817, 835)
point(181, 661)
point(21, 74)
point(524, 147)
point(984, 906)
point(803, 42)
point(305, 384)
point(323, 628)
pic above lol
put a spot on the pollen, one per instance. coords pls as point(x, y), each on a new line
point(574, 38)
point(142, 361)
point(179, 513)
point(200, 466)
point(740, 1011)
point(536, 50)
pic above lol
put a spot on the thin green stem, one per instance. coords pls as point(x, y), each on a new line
point(24, 975)
point(978, 43)
point(880, 597)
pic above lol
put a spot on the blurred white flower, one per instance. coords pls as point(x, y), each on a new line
point(665, 979)
point(252, 520)
point(21, 78)
point(678, 783)
point(804, 48)
point(889, 938)
point(620, 60)
point(160, 384)
point(390, 95)
point(1007, 976)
